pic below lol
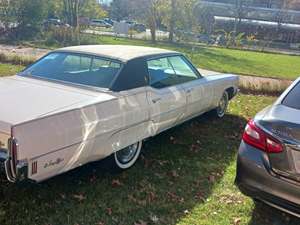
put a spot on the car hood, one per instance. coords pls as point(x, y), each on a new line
point(23, 99)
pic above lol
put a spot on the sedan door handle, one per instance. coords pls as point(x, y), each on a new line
point(156, 100)
point(189, 90)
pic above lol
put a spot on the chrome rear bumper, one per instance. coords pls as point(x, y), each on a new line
point(19, 173)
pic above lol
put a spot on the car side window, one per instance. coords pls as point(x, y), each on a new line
point(77, 63)
point(169, 71)
point(99, 63)
point(161, 73)
point(182, 68)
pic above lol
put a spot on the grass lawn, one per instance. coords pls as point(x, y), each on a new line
point(211, 58)
point(228, 60)
point(184, 177)
point(8, 69)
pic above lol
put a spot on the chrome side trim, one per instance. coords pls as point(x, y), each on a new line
point(280, 208)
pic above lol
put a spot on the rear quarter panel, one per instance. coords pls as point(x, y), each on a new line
point(60, 142)
point(220, 83)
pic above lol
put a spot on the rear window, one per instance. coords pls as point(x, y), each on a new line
point(293, 98)
point(75, 68)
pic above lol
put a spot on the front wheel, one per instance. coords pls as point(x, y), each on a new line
point(126, 157)
point(220, 111)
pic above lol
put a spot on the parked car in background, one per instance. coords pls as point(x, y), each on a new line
point(54, 22)
point(139, 27)
point(82, 104)
point(268, 167)
point(109, 21)
point(99, 23)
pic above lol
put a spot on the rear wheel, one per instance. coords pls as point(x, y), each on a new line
point(220, 111)
point(127, 157)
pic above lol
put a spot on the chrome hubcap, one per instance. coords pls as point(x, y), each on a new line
point(222, 105)
point(127, 154)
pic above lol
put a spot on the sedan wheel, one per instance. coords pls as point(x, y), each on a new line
point(127, 157)
point(222, 106)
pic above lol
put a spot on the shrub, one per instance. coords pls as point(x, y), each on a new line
point(17, 59)
point(259, 85)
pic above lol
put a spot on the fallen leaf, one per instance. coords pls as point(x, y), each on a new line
point(174, 174)
point(237, 221)
point(63, 196)
point(154, 218)
point(151, 196)
point(211, 178)
point(175, 197)
point(140, 222)
point(116, 183)
point(109, 211)
point(137, 201)
point(79, 197)
point(93, 179)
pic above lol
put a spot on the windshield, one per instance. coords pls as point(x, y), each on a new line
point(76, 69)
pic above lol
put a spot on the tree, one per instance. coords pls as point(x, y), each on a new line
point(55, 9)
point(205, 18)
point(152, 14)
point(148, 11)
point(25, 15)
point(178, 16)
point(73, 9)
point(241, 11)
point(173, 14)
point(91, 9)
point(119, 9)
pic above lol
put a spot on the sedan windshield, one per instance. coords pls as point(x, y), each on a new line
point(76, 69)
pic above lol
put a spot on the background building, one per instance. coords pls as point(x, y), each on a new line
point(277, 20)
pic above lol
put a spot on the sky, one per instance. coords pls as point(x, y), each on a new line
point(105, 1)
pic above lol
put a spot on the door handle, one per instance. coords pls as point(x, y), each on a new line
point(156, 100)
point(189, 90)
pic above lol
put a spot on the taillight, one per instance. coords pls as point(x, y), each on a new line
point(13, 153)
point(13, 156)
point(256, 137)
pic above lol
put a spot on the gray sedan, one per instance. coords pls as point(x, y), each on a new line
point(268, 166)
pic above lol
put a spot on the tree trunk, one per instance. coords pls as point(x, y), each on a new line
point(152, 20)
point(172, 20)
point(153, 31)
point(71, 8)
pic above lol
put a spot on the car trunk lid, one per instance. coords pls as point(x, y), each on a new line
point(284, 124)
point(24, 99)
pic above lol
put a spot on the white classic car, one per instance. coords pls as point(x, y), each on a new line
point(82, 104)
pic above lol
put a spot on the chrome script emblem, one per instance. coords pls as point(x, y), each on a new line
point(52, 163)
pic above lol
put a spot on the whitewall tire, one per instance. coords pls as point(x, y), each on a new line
point(220, 111)
point(127, 157)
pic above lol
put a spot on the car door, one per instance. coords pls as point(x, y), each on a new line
point(198, 89)
point(165, 95)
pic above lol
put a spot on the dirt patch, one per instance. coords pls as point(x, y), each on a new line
point(257, 85)
point(23, 51)
point(262, 85)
